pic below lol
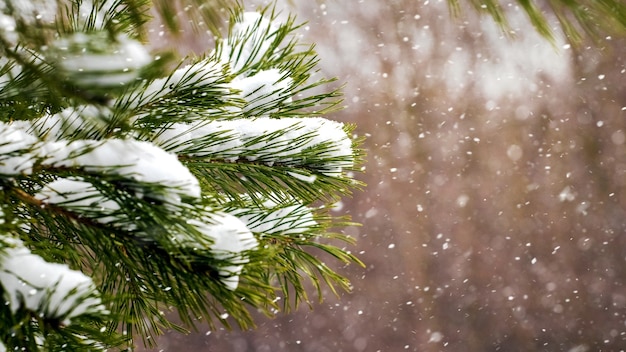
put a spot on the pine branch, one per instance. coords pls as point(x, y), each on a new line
point(204, 188)
point(578, 19)
point(207, 15)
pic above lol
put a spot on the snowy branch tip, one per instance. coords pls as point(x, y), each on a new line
point(320, 144)
point(50, 289)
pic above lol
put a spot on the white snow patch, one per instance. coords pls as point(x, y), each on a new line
point(15, 150)
point(228, 237)
point(136, 160)
point(32, 12)
point(301, 134)
point(52, 289)
point(265, 139)
point(104, 69)
point(67, 122)
point(199, 74)
point(199, 139)
point(262, 89)
point(81, 197)
point(95, 14)
point(7, 29)
point(301, 177)
point(14, 71)
point(249, 40)
point(274, 219)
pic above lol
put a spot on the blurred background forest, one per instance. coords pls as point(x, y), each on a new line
point(495, 213)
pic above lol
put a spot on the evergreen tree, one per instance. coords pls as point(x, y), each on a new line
point(133, 183)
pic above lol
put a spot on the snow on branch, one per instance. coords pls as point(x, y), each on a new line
point(263, 91)
point(272, 218)
point(82, 198)
point(30, 12)
point(91, 59)
point(103, 152)
point(8, 29)
point(137, 161)
point(86, 121)
point(195, 77)
point(221, 234)
point(249, 41)
point(229, 239)
point(16, 150)
point(317, 143)
point(50, 289)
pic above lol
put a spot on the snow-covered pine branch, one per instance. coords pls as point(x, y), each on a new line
point(138, 163)
point(224, 236)
point(49, 289)
point(128, 186)
point(250, 42)
point(313, 143)
point(286, 220)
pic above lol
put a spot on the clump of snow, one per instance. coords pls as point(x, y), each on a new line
point(94, 15)
point(13, 71)
point(31, 12)
point(93, 59)
point(265, 88)
point(15, 150)
point(72, 120)
point(300, 135)
point(249, 40)
point(229, 238)
point(90, 344)
point(201, 73)
point(202, 139)
point(138, 161)
point(52, 289)
point(267, 140)
point(7, 29)
point(224, 235)
point(81, 197)
point(197, 75)
point(301, 177)
point(271, 218)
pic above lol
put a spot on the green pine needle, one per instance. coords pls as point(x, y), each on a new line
point(151, 246)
